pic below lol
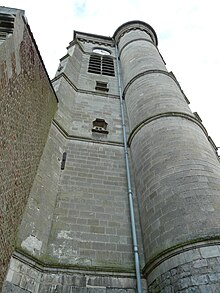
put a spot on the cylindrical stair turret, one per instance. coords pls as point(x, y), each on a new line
point(177, 172)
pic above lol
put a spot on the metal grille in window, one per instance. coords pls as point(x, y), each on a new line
point(101, 65)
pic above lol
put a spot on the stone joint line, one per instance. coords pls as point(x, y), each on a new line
point(164, 115)
point(104, 95)
point(152, 71)
point(86, 139)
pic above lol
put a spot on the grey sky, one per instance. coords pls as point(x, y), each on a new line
point(187, 31)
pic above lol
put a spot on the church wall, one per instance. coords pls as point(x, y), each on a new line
point(91, 226)
point(27, 105)
point(36, 225)
point(76, 233)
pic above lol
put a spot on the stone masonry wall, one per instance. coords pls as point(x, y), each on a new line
point(27, 105)
point(182, 203)
point(191, 271)
point(176, 171)
point(37, 219)
point(27, 276)
point(77, 220)
point(91, 226)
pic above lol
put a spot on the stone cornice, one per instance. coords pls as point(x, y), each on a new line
point(66, 78)
point(69, 136)
point(146, 72)
point(94, 39)
point(134, 25)
point(47, 267)
point(152, 71)
point(178, 249)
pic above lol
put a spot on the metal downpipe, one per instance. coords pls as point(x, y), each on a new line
point(130, 193)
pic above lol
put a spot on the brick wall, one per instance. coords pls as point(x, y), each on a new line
point(27, 105)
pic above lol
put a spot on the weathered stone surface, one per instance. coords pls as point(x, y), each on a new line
point(176, 169)
point(27, 106)
point(194, 275)
point(30, 277)
point(10, 288)
point(78, 216)
point(76, 235)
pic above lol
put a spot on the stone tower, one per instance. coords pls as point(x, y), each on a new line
point(176, 171)
point(76, 233)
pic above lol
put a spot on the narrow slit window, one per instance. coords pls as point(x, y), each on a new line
point(63, 162)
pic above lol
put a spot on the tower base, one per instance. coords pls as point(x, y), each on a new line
point(26, 275)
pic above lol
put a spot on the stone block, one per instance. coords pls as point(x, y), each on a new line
point(210, 251)
point(199, 280)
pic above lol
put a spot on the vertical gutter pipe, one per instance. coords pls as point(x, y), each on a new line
point(130, 193)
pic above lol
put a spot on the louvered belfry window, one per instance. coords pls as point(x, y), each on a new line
point(6, 25)
point(101, 65)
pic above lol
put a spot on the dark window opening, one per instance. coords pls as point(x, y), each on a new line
point(6, 25)
point(100, 125)
point(101, 86)
point(63, 162)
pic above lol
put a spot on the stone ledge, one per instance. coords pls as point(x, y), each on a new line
point(81, 138)
point(152, 71)
point(165, 115)
point(26, 275)
point(102, 94)
point(46, 267)
point(194, 269)
point(203, 248)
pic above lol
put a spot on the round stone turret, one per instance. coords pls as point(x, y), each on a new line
point(177, 171)
point(135, 25)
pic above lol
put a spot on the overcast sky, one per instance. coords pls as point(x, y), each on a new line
point(188, 34)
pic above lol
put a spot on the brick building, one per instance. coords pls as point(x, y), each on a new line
point(117, 190)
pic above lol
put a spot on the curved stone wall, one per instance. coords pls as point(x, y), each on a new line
point(177, 176)
point(176, 170)
point(138, 56)
point(154, 94)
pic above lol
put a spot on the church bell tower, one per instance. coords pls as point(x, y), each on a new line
point(126, 197)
